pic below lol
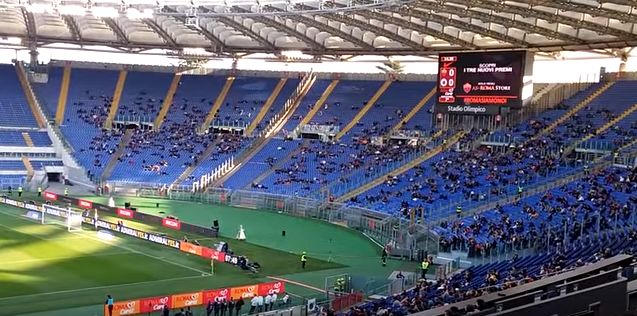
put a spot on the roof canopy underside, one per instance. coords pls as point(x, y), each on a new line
point(415, 27)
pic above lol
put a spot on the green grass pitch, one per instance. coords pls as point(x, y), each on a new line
point(44, 268)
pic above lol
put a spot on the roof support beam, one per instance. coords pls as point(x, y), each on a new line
point(623, 2)
point(551, 17)
point(326, 28)
point(30, 23)
point(157, 29)
point(281, 26)
point(492, 18)
point(375, 29)
point(427, 16)
point(229, 21)
point(419, 28)
point(583, 8)
point(75, 31)
point(121, 36)
point(216, 42)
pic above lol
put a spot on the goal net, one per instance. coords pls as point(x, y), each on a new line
point(58, 216)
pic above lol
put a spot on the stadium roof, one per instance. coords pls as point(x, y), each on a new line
point(324, 27)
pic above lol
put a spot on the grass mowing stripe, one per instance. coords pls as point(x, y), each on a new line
point(119, 246)
point(38, 237)
point(149, 256)
point(114, 286)
point(64, 258)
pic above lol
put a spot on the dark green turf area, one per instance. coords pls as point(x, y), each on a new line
point(332, 250)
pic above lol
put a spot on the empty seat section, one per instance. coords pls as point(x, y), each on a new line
point(13, 104)
point(48, 93)
point(11, 138)
point(40, 139)
point(422, 119)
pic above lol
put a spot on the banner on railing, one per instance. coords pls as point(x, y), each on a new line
point(122, 212)
point(171, 223)
point(153, 304)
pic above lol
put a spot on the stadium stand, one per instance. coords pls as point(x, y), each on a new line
point(568, 225)
point(13, 104)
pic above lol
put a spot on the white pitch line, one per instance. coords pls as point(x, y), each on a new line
point(66, 257)
point(150, 256)
point(114, 286)
point(121, 247)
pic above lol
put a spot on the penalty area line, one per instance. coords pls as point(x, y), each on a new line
point(307, 286)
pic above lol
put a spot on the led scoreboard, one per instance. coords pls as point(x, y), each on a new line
point(467, 80)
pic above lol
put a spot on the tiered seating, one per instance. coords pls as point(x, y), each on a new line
point(411, 93)
point(88, 102)
point(15, 138)
point(279, 102)
point(11, 138)
point(597, 202)
point(12, 165)
point(306, 104)
point(143, 93)
point(226, 146)
point(11, 181)
point(49, 92)
point(323, 163)
point(160, 157)
point(246, 97)
point(608, 105)
point(13, 104)
point(388, 110)
point(262, 161)
point(466, 177)
point(488, 278)
point(40, 164)
point(40, 139)
point(533, 126)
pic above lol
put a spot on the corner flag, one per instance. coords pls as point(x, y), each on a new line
point(212, 266)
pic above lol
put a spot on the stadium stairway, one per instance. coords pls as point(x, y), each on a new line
point(113, 160)
point(168, 101)
point(266, 107)
point(117, 96)
point(27, 139)
point(574, 109)
point(319, 103)
point(62, 97)
point(203, 156)
point(291, 105)
point(30, 95)
point(364, 110)
point(218, 102)
point(271, 130)
point(544, 90)
point(601, 129)
point(414, 110)
point(29, 167)
point(401, 169)
point(280, 163)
